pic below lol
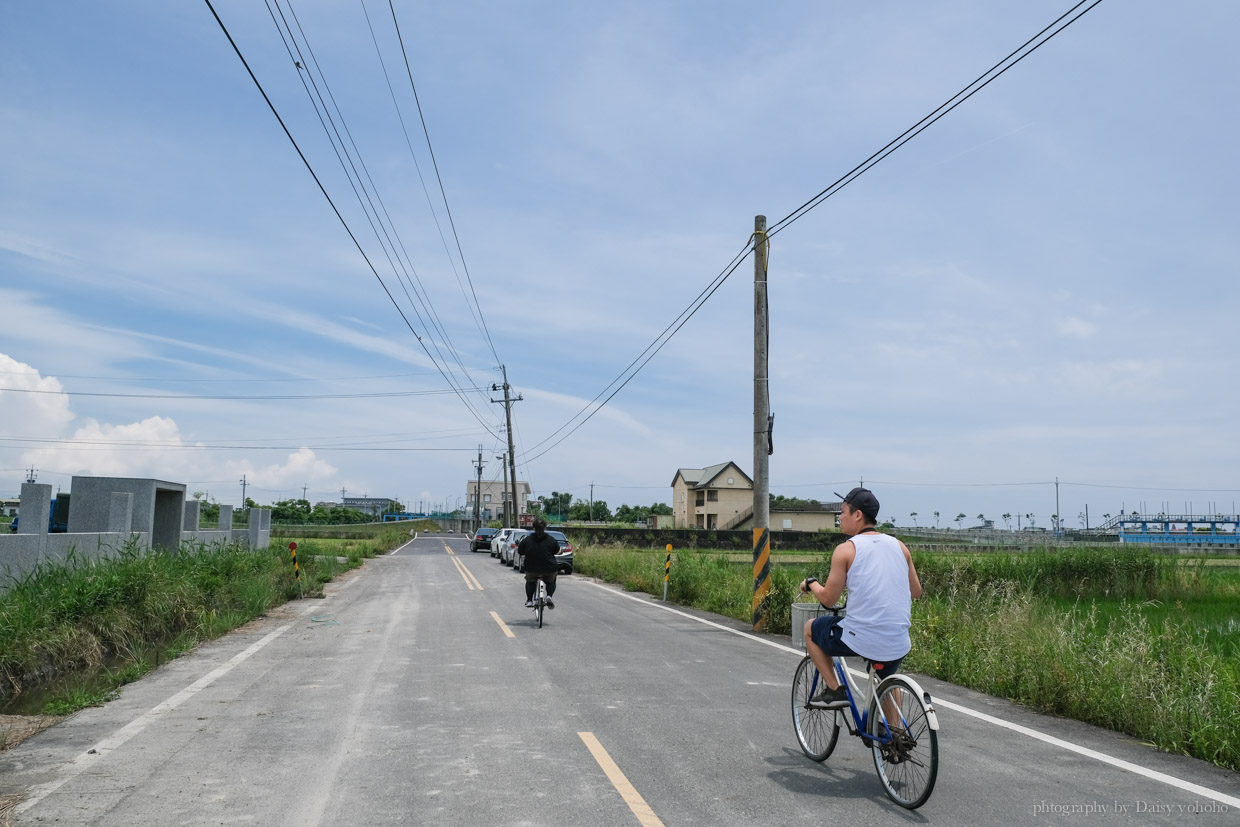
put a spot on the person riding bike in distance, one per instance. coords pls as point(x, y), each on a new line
point(882, 583)
point(538, 552)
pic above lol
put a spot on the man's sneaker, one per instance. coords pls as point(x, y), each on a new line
point(830, 698)
point(529, 604)
point(550, 603)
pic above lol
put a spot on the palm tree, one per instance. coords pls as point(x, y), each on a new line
point(959, 517)
point(981, 518)
point(936, 519)
point(913, 514)
point(1032, 521)
point(1007, 521)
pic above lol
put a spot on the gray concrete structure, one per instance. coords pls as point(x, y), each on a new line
point(108, 514)
point(120, 513)
point(36, 509)
point(158, 507)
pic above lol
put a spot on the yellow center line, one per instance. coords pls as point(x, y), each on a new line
point(502, 625)
point(645, 815)
point(461, 570)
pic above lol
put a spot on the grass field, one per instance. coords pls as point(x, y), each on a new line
point(1134, 641)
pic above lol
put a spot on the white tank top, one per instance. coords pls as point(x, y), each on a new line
point(880, 605)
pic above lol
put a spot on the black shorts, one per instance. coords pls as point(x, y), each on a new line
point(826, 633)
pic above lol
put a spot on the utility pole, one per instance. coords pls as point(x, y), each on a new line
point(303, 491)
point(512, 451)
point(243, 484)
point(591, 500)
point(503, 458)
point(1058, 516)
point(478, 494)
point(31, 475)
point(762, 447)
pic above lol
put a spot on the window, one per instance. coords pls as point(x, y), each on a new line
point(712, 496)
point(486, 498)
point(701, 498)
point(731, 480)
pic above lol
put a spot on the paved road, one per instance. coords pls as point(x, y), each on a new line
point(420, 692)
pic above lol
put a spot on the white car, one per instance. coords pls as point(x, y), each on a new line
point(509, 551)
point(497, 542)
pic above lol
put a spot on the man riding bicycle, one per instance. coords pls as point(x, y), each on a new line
point(882, 583)
point(537, 552)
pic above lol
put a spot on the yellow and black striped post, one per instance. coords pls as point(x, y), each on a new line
point(761, 576)
point(667, 570)
point(292, 549)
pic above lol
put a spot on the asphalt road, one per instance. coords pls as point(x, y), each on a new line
point(420, 692)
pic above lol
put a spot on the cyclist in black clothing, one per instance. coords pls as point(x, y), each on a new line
point(538, 552)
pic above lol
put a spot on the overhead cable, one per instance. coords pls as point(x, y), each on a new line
point(336, 210)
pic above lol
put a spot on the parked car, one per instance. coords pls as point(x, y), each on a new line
point(563, 560)
point(482, 539)
point(509, 548)
point(497, 542)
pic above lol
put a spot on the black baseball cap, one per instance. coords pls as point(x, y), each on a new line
point(863, 500)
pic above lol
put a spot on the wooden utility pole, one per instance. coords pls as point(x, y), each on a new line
point(761, 430)
point(512, 451)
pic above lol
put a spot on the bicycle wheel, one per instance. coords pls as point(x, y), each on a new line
point(817, 729)
point(539, 608)
point(908, 763)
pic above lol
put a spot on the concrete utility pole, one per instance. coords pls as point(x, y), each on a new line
point(591, 501)
point(512, 451)
point(503, 458)
point(243, 484)
point(478, 494)
point(761, 429)
point(1058, 516)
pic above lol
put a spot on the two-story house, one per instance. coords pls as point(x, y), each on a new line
point(713, 497)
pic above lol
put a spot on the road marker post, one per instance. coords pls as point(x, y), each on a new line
point(292, 548)
point(667, 570)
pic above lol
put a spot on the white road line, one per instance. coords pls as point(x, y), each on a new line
point(117, 739)
point(135, 727)
point(1119, 763)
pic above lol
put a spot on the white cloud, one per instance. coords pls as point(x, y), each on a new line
point(1075, 328)
point(39, 414)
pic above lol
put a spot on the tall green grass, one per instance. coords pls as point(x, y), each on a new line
point(105, 622)
point(1130, 640)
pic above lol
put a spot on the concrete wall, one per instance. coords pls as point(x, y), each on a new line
point(108, 514)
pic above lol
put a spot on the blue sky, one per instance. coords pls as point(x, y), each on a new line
point(1041, 285)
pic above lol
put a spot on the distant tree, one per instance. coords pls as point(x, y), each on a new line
point(913, 514)
point(981, 518)
point(936, 519)
point(779, 501)
point(1081, 518)
point(662, 509)
point(1007, 521)
point(580, 511)
point(291, 512)
point(959, 519)
point(557, 505)
point(1032, 521)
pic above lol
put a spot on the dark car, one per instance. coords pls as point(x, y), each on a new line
point(482, 540)
point(565, 558)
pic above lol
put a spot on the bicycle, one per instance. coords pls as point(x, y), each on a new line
point(899, 726)
point(540, 599)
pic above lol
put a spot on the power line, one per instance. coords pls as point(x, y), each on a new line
point(796, 214)
point(55, 375)
point(438, 177)
point(406, 282)
point(653, 348)
point(981, 82)
point(373, 395)
point(150, 447)
point(335, 210)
